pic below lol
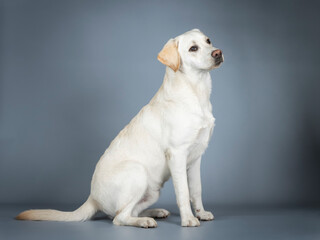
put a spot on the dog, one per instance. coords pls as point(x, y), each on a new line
point(165, 139)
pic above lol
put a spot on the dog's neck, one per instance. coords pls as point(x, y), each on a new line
point(199, 82)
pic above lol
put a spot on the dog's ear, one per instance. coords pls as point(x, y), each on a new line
point(169, 55)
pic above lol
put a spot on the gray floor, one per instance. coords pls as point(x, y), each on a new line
point(230, 223)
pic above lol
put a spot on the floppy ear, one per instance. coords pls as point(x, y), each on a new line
point(169, 55)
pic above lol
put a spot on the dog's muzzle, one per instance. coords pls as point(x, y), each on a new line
point(217, 55)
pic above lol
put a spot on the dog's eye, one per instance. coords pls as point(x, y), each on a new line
point(208, 41)
point(193, 49)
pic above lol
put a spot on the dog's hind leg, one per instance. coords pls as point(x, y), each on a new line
point(134, 185)
point(148, 199)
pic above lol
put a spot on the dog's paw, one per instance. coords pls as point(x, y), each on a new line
point(204, 216)
point(161, 213)
point(155, 213)
point(146, 222)
point(190, 222)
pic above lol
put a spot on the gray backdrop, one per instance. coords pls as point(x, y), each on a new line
point(73, 74)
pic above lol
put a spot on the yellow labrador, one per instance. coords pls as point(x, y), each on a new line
point(166, 138)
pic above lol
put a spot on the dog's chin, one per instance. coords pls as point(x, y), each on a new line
point(216, 65)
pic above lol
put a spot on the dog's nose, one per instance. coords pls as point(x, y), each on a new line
point(216, 53)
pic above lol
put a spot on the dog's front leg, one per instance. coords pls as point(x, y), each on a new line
point(178, 168)
point(194, 181)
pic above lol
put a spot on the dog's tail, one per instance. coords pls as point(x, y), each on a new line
point(86, 211)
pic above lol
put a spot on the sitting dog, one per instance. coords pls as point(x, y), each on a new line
point(166, 138)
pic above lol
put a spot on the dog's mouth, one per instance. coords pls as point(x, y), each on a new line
point(218, 61)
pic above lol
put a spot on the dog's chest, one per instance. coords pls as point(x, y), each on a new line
point(202, 136)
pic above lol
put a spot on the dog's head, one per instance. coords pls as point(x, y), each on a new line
point(191, 50)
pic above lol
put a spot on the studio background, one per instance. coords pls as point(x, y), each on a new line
point(74, 73)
